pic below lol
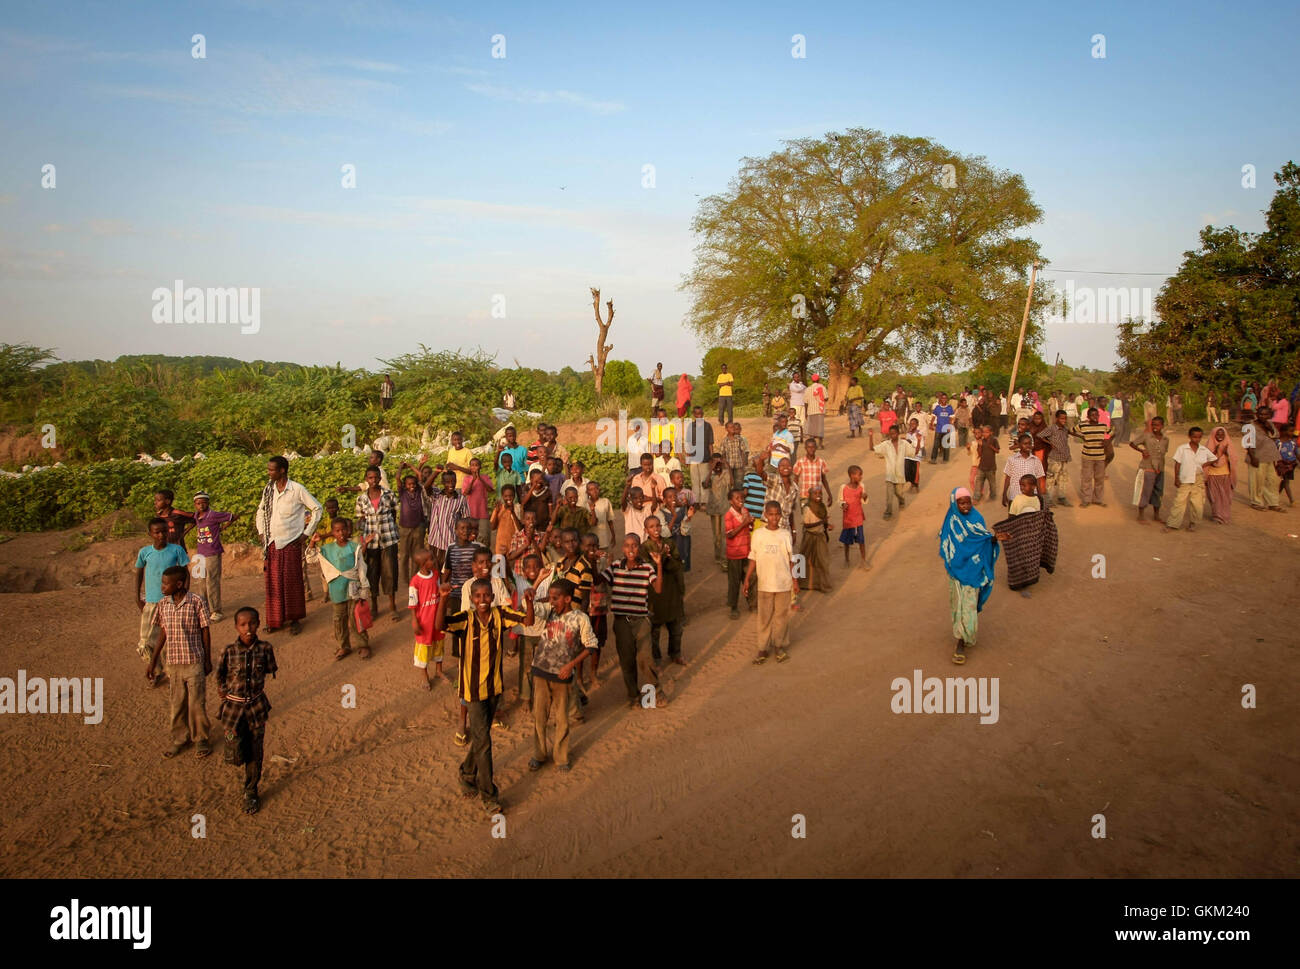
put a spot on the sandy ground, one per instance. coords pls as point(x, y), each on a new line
point(1119, 696)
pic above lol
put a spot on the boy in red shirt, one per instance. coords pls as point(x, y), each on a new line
point(737, 523)
point(852, 498)
point(422, 598)
point(887, 419)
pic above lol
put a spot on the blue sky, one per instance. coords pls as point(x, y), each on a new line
point(521, 177)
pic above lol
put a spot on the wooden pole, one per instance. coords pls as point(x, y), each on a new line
point(1024, 323)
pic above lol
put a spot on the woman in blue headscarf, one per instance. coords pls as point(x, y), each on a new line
point(969, 551)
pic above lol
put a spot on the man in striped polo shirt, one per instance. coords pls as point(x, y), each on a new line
point(630, 582)
point(483, 626)
point(1092, 479)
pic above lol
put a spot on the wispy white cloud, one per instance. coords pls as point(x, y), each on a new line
point(420, 126)
point(528, 96)
point(374, 67)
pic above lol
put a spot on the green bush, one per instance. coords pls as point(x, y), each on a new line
point(66, 497)
point(623, 379)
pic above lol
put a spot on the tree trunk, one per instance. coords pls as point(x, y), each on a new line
point(838, 385)
point(597, 360)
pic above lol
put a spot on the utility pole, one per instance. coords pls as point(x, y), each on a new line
point(1024, 323)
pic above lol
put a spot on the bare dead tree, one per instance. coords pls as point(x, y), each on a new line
point(597, 360)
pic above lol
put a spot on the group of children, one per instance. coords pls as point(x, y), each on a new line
point(530, 580)
point(175, 640)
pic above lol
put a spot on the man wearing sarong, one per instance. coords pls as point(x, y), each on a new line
point(285, 514)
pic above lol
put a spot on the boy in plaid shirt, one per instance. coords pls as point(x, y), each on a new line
point(241, 679)
point(183, 618)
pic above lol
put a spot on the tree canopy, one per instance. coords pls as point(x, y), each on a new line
point(862, 250)
point(1232, 311)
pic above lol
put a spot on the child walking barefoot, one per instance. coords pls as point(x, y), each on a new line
point(241, 681)
point(852, 499)
point(422, 600)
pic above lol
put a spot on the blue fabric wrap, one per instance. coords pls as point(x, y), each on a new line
point(968, 549)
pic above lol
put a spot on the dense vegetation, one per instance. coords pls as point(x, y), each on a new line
point(104, 410)
point(238, 413)
point(68, 496)
point(1232, 311)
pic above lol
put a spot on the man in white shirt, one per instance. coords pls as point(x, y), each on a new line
point(797, 390)
point(893, 450)
point(1002, 413)
point(1189, 463)
point(285, 514)
point(638, 442)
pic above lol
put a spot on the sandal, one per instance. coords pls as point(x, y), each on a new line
point(204, 750)
point(251, 802)
point(364, 652)
point(460, 740)
point(761, 658)
point(958, 657)
point(295, 629)
point(782, 656)
point(343, 651)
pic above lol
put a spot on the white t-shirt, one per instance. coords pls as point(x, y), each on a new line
point(603, 510)
point(500, 591)
point(1002, 402)
point(1191, 462)
point(637, 445)
point(796, 393)
point(664, 468)
point(1015, 401)
point(770, 551)
point(894, 458)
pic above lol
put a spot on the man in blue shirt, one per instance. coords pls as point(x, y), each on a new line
point(942, 412)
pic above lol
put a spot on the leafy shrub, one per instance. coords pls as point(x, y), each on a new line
point(623, 379)
point(66, 497)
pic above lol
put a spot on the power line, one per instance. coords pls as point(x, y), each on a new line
point(1100, 272)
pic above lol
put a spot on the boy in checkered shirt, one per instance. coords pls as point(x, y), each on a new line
point(183, 618)
point(241, 681)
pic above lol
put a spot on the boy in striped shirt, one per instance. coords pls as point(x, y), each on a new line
point(630, 582)
point(755, 487)
point(1092, 463)
point(483, 628)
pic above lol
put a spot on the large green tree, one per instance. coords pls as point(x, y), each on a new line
point(863, 249)
point(1232, 311)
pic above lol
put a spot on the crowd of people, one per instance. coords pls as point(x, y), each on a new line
point(513, 553)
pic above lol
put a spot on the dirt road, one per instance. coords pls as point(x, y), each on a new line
point(1119, 696)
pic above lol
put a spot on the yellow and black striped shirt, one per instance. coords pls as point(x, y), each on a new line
point(480, 665)
point(581, 575)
